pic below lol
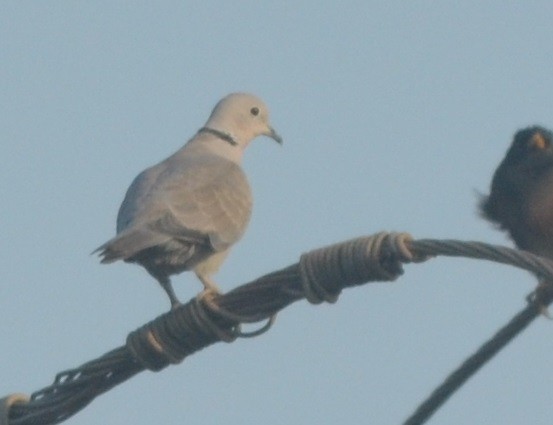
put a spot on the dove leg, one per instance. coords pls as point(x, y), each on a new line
point(168, 288)
point(209, 284)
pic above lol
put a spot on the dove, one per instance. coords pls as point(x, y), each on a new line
point(186, 212)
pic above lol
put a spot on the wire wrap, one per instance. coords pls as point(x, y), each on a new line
point(319, 276)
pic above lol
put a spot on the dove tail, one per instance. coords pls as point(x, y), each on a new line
point(107, 254)
point(127, 244)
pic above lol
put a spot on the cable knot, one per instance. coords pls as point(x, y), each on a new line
point(326, 271)
point(6, 404)
point(171, 337)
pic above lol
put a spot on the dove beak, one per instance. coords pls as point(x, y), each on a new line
point(273, 135)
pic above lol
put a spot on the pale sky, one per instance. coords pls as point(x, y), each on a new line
point(394, 116)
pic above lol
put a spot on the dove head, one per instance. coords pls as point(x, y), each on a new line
point(241, 117)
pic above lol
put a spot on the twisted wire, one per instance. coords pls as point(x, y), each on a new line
point(319, 276)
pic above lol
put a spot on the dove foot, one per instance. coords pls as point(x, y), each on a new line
point(209, 284)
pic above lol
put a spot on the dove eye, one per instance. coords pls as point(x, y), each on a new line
point(254, 111)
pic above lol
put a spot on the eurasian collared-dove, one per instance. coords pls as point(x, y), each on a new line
point(186, 212)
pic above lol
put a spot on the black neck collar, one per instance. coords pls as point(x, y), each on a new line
point(227, 137)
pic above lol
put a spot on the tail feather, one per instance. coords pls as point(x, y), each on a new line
point(129, 243)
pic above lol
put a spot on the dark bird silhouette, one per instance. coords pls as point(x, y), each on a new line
point(521, 195)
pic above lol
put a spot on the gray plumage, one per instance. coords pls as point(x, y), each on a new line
point(186, 212)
